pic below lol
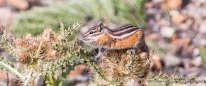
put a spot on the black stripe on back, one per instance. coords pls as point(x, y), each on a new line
point(126, 32)
point(122, 28)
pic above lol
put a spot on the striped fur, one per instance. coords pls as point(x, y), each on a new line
point(127, 36)
point(123, 31)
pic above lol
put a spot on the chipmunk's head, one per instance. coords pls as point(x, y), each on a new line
point(94, 33)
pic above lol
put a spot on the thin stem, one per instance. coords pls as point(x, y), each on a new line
point(28, 78)
point(38, 50)
point(13, 70)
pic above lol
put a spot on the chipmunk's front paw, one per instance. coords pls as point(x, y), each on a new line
point(95, 58)
point(131, 51)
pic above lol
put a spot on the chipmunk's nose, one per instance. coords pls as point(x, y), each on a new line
point(80, 38)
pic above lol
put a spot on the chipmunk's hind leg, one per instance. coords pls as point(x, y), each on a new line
point(133, 51)
point(100, 52)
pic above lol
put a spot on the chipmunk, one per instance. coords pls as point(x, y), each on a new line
point(125, 37)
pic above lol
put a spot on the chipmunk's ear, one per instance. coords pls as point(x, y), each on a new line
point(101, 26)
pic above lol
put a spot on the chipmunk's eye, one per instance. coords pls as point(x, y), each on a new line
point(91, 32)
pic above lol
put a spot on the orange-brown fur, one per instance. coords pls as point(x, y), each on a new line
point(114, 43)
point(127, 41)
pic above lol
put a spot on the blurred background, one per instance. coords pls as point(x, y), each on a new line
point(175, 29)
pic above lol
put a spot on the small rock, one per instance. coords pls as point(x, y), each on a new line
point(171, 60)
point(202, 28)
point(174, 4)
point(197, 61)
point(167, 31)
point(177, 17)
point(196, 52)
point(184, 26)
point(193, 11)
